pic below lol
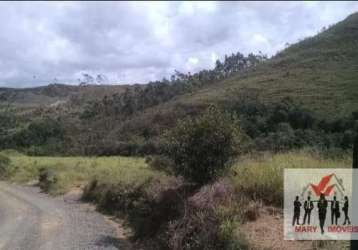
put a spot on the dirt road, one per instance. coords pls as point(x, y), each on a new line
point(31, 220)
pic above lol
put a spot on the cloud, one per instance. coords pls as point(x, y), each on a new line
point(137, 42)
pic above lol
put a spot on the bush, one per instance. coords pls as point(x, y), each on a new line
point(208, 221)
point(39, 132)
point(147, 206)
point(202, 147)
point(160, 163)
point(4, 166)
point(47, 178)
point(172, 214)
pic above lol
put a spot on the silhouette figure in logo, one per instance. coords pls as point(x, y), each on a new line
point(322, 211)
point(335, 213)
point(345, 210)
point(308, 206)
point(296, 211)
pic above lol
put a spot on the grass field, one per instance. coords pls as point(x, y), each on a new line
point(75, 171)
point(261, 177)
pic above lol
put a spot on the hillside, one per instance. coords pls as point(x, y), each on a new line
point(321, 72)
point(319, 75)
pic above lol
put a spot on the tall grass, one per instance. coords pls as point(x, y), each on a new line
point(261, 176)
point(75, 171)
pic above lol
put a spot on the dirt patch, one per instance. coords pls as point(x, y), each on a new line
point(267, 232)
point(74, 195)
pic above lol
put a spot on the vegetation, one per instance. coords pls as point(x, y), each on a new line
point(42, 136)
point(260, 177)
point(287, 125)
point(130, 121)
point(75, 171)
point(275, 127)
point(152, 202)
point(326, 91)
point(4, 166)
point(202, 147)
point(154, 93)
point(163, 210)
point(319, 72)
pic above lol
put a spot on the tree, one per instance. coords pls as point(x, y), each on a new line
point(202, 147)
point(101, 79)
point(39, 132)
point(87, 79)
point(158, 92)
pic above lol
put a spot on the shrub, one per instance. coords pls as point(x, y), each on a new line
point(4, 166)
point(47, 178)
point(172, 214)
point(147, 206)
point(208, 221)
point(160, 163)
point(39, 132)
point(202, 147)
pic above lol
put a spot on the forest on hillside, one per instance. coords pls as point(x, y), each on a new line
point(276, 127)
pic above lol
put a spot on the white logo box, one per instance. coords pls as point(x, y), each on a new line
point(339, 182)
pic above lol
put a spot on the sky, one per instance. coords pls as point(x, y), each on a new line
point(138, 42)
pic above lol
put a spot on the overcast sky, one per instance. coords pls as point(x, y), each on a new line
point(140, 42)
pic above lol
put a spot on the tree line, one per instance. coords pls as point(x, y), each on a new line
point(140, 97)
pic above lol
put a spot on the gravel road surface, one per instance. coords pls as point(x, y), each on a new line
point(32, 220)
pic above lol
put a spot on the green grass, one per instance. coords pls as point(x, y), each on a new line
point(75, 171)
point(261, 177)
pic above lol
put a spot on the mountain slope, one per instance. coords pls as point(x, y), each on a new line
point(320, 72)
